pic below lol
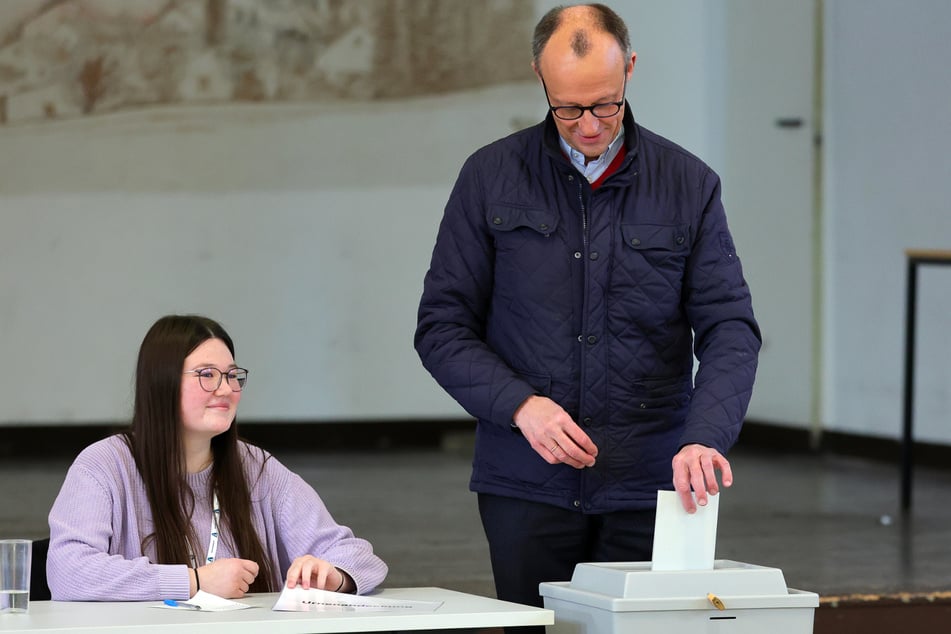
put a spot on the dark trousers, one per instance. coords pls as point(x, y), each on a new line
point(530, 543)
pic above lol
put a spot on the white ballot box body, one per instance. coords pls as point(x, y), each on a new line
point(629, 597)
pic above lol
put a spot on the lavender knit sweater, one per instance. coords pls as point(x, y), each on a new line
point(101, 515)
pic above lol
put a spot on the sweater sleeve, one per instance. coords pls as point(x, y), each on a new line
point(90, 557)
point(305, 526)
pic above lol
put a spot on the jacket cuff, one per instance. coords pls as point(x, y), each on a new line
point(509, 400)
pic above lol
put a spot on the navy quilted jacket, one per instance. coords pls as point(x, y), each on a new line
point(597, 299)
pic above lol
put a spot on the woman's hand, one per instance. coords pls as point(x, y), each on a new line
point(311, 572)
point(228, 578)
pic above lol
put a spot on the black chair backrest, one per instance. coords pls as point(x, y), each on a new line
point(39, 590)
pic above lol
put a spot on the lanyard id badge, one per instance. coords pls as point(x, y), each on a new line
point(213, 538)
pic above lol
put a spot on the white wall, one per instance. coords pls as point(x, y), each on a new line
point(306, 232)
point(305, 229)
point(765, 71)
point(107, 223)
point(887, 189)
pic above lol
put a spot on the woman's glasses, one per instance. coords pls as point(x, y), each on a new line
point(210, 378)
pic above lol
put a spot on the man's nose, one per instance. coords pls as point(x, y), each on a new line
point(588, 123)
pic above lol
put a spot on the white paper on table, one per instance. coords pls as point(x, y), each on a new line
point(207, 602)
point(298, 599)
point(684, 541)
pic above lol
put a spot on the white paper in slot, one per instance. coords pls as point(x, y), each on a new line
point(684, 541)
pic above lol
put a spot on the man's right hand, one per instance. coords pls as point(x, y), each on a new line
point(228, 578)
point(552, 434)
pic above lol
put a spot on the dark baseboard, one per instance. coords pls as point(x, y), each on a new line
point(34, 441)
point(30, 442)
point(37, 441)
point(770, 436)
point(355, 435)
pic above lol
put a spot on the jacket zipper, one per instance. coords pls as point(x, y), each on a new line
point(584, 300)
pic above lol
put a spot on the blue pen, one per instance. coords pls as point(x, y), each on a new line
point(181, 604)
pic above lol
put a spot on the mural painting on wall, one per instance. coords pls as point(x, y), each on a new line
point(62, 59)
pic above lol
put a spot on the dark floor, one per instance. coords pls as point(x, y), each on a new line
point(831, 523)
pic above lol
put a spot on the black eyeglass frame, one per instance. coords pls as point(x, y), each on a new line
point(581, 109)
point(233, 379)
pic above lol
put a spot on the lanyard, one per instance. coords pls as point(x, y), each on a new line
point(213, 539)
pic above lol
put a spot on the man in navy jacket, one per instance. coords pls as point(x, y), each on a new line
point(580, 266)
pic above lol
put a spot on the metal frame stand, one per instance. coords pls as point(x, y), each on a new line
point(916, 258)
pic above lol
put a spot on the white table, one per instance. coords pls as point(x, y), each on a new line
point(458, 611)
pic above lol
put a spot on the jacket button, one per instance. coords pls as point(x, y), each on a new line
point(635, 241)
point(643, 405)
point(543, 226)
point(580, 338)
point(496, 221)
point(586, 420)
point(577, 255)
point(594, 255)
point(577, 503)
point(592, 339)
point(571, 178)
point(680, 239)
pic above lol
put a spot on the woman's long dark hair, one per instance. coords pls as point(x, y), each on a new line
point(156, 444)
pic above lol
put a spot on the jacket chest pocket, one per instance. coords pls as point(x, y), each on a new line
point(514, 226)
point(661, 249)
point(531, 265)
point(524, 237)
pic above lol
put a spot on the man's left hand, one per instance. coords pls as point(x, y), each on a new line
point(695, 468)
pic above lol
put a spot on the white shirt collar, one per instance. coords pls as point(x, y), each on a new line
point(595, 168)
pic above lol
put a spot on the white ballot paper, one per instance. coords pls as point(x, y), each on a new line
point(313, 600)
point(683, 541)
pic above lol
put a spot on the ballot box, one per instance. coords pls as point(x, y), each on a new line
point(631, 598)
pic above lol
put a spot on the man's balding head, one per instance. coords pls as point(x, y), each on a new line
point(578, 24)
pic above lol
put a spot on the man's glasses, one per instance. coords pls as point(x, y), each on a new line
point(210, 378)
point(599, 110)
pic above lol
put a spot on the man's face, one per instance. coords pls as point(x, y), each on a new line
point(598, 77)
